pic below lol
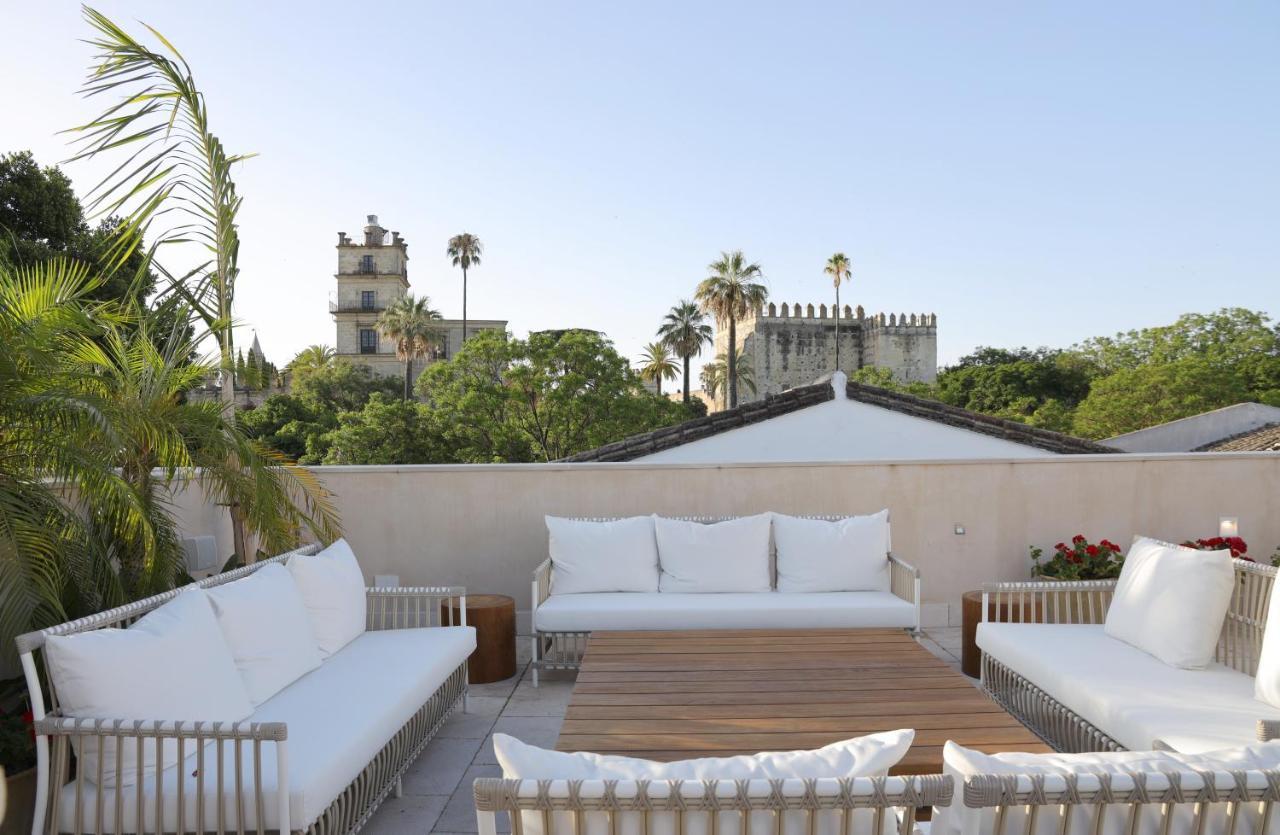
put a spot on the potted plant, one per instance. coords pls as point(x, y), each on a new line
point(18, 760)
point(1079, 560)
point(1237, 546)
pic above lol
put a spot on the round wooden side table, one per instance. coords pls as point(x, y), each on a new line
point(494, 618)
point(1009, 611)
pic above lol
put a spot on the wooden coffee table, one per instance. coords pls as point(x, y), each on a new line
point(676, 695)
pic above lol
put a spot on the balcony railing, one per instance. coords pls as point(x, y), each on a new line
point(355, 307)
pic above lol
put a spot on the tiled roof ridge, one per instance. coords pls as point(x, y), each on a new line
point(1226, 444)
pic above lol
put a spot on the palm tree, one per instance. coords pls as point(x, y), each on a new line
point(411, 324)
point(838, 269)
point(465, 251)
point(729, 293)
point(311, 359)
point(656, 365)
point(713, 375)
point(684, 330)
point(173, 185)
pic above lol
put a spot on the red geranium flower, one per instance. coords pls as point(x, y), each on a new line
point(1078, 538)
point(1092, 550)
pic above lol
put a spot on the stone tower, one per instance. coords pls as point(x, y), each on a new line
point(794, 345)
point(371, 275)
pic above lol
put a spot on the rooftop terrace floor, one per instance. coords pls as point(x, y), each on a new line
point(437, 789)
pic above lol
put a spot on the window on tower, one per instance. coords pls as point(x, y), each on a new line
point(368, 299)
point(368, 341)
point(366, 264)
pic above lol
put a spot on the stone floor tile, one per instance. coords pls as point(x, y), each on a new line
point(467, 726)
point(459, 813)
point(440, 768)
point(408, 815)
point(485, 705)
point(541, 731)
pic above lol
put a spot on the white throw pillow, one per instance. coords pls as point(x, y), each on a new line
point(865, 756)
point(620, 555)
point(1266, 684)
point(731, 556)
point(846, 555)
point(266, 625)
point(172, 664)
point(333, 590)
point(962, 763)
point(1170, 601)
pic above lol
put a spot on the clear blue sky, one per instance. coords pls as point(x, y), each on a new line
point(1033, 173)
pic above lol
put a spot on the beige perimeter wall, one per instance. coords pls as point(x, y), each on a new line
point(481, 525)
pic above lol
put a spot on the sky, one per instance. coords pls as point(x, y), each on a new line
point(1033, 173)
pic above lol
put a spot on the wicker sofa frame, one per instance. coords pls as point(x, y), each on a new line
point(1086, 602)
point(563, 650)
point(886, 797)
point(219, 747)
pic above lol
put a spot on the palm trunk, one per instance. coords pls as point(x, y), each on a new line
point(731, 368)
point(686, 379)
point(464, 304)
point(657, 385)
point(408, 376)
point(837, 326)
point(239, 536)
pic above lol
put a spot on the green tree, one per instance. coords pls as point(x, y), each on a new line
point(685, 331)
point(838, 270)
point(1017, 383)
point(657, 365)
point(540, 399)
point(386, 431)
point(312, 358)
point(342, 386)
point(41, 218)
point(1146, 395)
point(464, 251)
point(714, 376)
point(729, 293)
point(411, 324)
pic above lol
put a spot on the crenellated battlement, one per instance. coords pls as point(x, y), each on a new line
point(797, 312)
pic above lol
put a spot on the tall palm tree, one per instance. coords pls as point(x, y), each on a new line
point(171, 181)
point(411, 324)
point(713, 375)
point(311, 359)
point(465, 250)
point(685, 330)
point(838, 269)
point(729, 293)
point(656, 365)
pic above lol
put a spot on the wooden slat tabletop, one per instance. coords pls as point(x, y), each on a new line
point(676, 695)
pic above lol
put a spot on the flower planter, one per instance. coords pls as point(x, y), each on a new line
point(20, 807)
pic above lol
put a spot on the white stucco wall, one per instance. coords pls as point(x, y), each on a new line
point(1198, 430)
point(843, 430)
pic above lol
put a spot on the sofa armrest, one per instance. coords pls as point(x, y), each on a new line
point(415, 607)
point(1047, 601)
point(541, 583)
point(1268, 729)
point(234, 767)
point(904, 582)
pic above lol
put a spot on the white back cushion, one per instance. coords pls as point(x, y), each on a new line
point(266, 625)
point(1266, 684)
point(1170, 601)
point(172, 664)
point(619, 555)
point(720, 557)
point(846, 555)
point(962, 763)
point(333, 591)
point(865, 756)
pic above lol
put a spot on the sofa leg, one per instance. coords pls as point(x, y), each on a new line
point(534, 660)
point(399, 790)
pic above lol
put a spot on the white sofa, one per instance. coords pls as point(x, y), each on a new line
point(338, 737)
point(563, 621)
point(1049, 660)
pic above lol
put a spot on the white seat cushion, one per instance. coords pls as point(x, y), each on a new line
point(1133, 697)
point(172, 664)
point(729, 556)
point(1170, 601)
point(762, 610)
point(845, 555)
point(618, 555)
point(332, 588)
point(339, 716)
point(962, 763)
point(266, 625)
